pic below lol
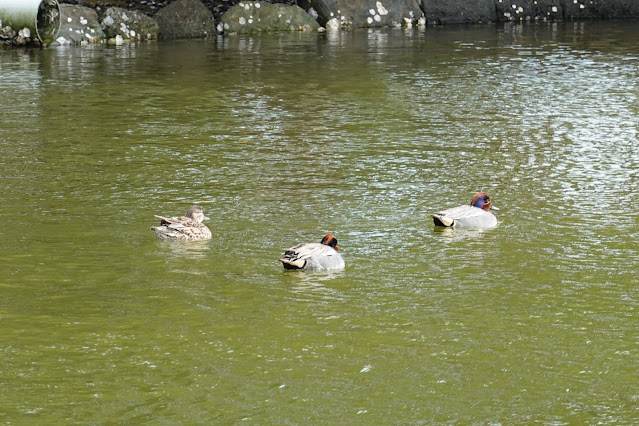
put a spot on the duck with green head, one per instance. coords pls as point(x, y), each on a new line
point(316, 256)
point(475, 215)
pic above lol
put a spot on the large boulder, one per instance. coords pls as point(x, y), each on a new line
point(528, 10)
point(247, 17)
point(609, 9)
point(479, 11)
point(121, 25)
point(185, 19)
point(79, 25)
point(364, 13)
point(459, 11)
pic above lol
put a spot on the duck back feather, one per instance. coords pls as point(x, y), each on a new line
point(316, 256)
point(477, 215)
point(188, 227)
point(465, 217)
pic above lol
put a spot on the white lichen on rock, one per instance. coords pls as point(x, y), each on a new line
point(332, 24)
point(381, 9)
point(256, 17)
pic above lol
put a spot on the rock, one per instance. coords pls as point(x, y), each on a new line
point(481, 11)
point(610, 9)
point(7, 34)
point(459, 11)
point(21, 37)
point(185, 19)
point(527, 10)
point(79, 25)
point(247, 17)
point(364, 13)
point(129, 25)
point(25, 33)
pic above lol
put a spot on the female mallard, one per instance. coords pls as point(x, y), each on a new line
point(474, 216)
point(187, 227)
point(322, 255)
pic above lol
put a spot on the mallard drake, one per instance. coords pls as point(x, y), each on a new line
point(187, 227)
point(475, 215)
point(322, 255)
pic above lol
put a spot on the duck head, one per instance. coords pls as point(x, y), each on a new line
point(330, 240)
point(196, 213)
point(482, 201)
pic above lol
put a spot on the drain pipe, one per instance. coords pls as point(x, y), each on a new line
point(39, 18)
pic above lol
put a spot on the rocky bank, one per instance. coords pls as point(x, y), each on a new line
point(125, 21)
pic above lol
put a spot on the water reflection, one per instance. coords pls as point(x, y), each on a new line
point(183, 251)
point(313, 283)
point(459, 234)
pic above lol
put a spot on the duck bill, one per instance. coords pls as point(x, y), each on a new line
point(208, 218)
point(494, 208)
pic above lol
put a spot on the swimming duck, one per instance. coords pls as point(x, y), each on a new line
point(187, 227)
point(476, 215)
point(322, 255)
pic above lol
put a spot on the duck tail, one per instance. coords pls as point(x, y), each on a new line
point(293, 264)
point(442, 220)
point(160, 232)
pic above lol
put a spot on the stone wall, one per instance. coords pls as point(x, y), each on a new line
point(123, 21)
point(434, 11)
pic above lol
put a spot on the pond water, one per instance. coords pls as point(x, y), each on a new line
point(282, 138)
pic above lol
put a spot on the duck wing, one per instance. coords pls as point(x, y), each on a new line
point(465, 216)
point(312, 256)
point(181, 228)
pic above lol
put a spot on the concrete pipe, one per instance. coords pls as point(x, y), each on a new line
point(33, 17)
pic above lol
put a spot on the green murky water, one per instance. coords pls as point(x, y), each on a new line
point(282, 138)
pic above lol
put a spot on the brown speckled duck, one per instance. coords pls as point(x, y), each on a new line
point(187, 227)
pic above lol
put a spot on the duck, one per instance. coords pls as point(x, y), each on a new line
point(475, 215)
point(314, 256)
point(187, 227)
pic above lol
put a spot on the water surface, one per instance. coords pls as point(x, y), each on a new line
point(284, 137)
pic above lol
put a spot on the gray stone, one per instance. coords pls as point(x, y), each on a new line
point(364, 13)
point(481, 11)
point(7, 34)
point(248, 16)
point(529, 10)
point(79, 25)
point(609, 9)
point(185, 19)
point(129, 25)
point(459, 11)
